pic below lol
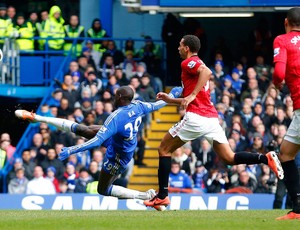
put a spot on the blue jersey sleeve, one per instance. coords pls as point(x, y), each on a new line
point(106, 131)
point(149, 107)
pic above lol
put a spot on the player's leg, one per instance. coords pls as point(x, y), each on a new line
point(168, 145)
point(288, 152)
point(108, 175)
point(62, 124)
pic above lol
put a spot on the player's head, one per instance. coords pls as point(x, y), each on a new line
point(292, 20)
point(124, 96)
point(189, 44)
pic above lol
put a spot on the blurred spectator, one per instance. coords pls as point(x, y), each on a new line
point(257, 145)
point(206, 154)
point(64, 110)
point(263, 72)
point(89, 119)
point(91, 79)
point(114, 52)
point(95, 54)
point(269, 116)
point(11, 13)
point(129, 46)
point(69, 91)
point(70, 175)
point(121, 76)
point(215, 92)
point(237, 82)
point(18, 184)
point(180, 157)
point(75, 71)
point(179, 181)
point(54, 29)
point(18, 163)
point(6, 22)
point(200, 177)
point(129, 65)
point(112, 84)
point(50, 175)
point(192, 158)
point(100, 115)
point(9, 149)
point(23, 32)
point(281, 118)
point(28, 164)
point(57, 95)
point(82, 181)
point(150, 53)
point(44, 15)
point(52, 161)
point(145, 89)
point(83, 65)
point(75, 31)
point(87, 52)
point(266, 181)
point(94, 170)
point(98, 157)
point(217, 181)
point(107, 69)
point(218, 73)
point(39, 185)
point(241, 144)
point(96, 31)
point(37, 145)
point(244, 180)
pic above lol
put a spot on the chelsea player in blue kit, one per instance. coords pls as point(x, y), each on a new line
point(118, 134)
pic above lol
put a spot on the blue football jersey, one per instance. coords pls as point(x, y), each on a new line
point(119, 132)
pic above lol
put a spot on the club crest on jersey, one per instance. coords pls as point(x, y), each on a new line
point(276, 51)
point(191, 64)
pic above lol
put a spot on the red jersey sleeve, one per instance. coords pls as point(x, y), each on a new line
point(280, 58)
point(192, 66)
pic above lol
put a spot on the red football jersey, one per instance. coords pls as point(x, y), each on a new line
point(202, 104)
point(287, 51)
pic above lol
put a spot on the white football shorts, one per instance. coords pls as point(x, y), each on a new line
point(193, 126)
point(293, 132)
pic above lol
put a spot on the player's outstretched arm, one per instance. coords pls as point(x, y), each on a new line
point(174, 93)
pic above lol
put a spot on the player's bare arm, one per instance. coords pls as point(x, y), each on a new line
point(166, 98)
point(204, 75)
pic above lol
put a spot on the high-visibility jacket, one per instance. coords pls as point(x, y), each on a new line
point(2, 158)
point(92, 187)
point(92, 34)
point(26, 33)
point(5, 27)
point(54, 29)
point(73, 33)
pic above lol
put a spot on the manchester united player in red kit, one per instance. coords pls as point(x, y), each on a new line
point(287, 67)
point(200, 120)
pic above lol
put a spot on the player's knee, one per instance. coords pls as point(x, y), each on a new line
point(162, 151)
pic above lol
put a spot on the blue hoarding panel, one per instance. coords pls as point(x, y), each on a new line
point(31, 70)
point(55, 63)
point(97, 202)
point(216, 3)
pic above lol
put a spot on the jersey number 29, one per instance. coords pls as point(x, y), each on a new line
point(133, 127)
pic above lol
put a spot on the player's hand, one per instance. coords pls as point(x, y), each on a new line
point(64, 154)
point(162, 96)
point(187, 100)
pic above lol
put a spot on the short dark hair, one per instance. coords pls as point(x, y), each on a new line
point(293, 16)
point(193, 42)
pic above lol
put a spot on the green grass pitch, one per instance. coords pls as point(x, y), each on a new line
point(140, 220)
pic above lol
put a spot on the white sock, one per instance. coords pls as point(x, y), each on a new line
point(125, 193)
point(62, 124)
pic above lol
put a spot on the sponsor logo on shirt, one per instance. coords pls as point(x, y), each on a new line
point(102, 129)
point(276, 51)
point(191, 64)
